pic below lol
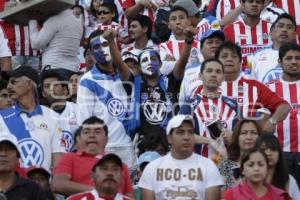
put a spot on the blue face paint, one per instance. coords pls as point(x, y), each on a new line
point(150, 63)
point(99, 51)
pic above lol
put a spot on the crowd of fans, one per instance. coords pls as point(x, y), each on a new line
point(152, 99)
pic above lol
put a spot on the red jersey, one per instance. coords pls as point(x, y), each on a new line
point(288, 130)
point(251, 39)
point(18, 39)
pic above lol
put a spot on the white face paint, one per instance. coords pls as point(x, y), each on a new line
point(105, 49)
point(149, 63)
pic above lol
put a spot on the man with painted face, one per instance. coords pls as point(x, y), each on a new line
point(154, 94)
point(101, 93)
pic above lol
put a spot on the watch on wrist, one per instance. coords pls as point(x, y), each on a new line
point(272, 121)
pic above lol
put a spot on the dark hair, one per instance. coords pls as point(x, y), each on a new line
point(144, 21)
point(3, 84)
point(203, 65)
point(231, 46)
point(151, 141)
point(234, 151)
point(178, 8)
point(76, 134)
point(110, 6)
point(92, 9)
point(95, 33)
point(52, 74)
point(284, 16)
point(287, 47)
point(248, 153)
point(80, 7)
point(77, 73)
point(95, 120)
point(280, 177)
point(263, 1)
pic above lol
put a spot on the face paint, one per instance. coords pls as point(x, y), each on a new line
point(150, 63)
point(100, 50)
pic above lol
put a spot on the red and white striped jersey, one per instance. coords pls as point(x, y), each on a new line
point(4, 49)
point(292, 7)
point(224, 6)
point(18, 39)
point(174, 48)
point(146, 11)
point(288, 131)
point(207, 110)
point(251, 96)
point(251, 39)
point(93, 195)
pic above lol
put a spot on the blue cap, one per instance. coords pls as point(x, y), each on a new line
point(212, 32)
point(148, 156)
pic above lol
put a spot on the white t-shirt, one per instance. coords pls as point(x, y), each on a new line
point(184, 179)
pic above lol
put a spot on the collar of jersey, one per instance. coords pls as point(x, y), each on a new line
point(99, 74)
point(37, 110)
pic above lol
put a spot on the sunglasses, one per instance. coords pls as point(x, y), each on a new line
point(103, 12)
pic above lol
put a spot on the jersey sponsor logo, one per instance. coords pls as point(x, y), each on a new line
point(250, 49)
point(68, 140)
point(32, 153)
point(155, 112)
point(115, 107)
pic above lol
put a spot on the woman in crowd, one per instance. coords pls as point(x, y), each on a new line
point(254, 169)
point(277, 171)
point(244, 137)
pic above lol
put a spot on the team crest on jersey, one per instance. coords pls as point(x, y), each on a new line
point(214, 109)
point(68, 140)
point(115, 107)
point(32, 153)
point(155, 112)
point(30, 126)
point(265, 36)
point(43, 126)
point(273, 74)
point(240, 89)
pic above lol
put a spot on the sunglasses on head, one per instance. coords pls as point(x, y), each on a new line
point(103, 12)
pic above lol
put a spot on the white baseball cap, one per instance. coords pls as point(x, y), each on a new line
point(7, 137)
point(177, 120)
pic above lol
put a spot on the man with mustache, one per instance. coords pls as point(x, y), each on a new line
point(107, 176)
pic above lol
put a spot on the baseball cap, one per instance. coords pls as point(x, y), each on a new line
point(7, 137)
point(189, 6)
point(128, 55)
point(110, 156)
point(27, 71)
point(177, 120)
point(212, 32)
point(148, 156)
point(36, 169)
